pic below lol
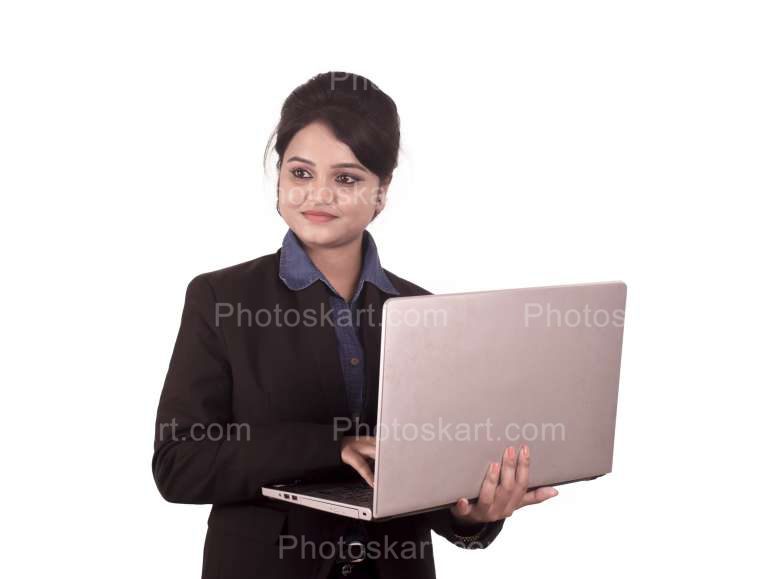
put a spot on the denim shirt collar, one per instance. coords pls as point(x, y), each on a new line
point(297, 271)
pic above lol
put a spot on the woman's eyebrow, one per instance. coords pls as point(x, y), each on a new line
point(350, 166)
point(337, 166)
point(301, 160)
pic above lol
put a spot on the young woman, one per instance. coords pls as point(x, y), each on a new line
point(257, 380)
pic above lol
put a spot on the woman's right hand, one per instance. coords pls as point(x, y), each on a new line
point(356, 450)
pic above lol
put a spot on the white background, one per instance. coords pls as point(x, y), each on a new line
point(543, 142)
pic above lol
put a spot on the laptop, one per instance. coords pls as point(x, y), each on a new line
point(464, 375)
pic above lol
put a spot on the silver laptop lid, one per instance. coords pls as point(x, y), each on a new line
point(463, 376)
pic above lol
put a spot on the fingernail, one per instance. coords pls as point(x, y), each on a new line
point(495, 468)
point(510, 452)
point(525, 451)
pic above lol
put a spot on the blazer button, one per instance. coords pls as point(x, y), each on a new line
point(354, 361)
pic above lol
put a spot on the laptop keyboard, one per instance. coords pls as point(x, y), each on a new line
point(356, 493)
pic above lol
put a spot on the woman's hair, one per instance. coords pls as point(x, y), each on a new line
point(355, 110)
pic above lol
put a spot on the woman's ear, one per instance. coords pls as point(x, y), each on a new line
point(278, 187)
point(381, 198)
point(278, 196)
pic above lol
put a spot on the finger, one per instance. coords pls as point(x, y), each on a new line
point(462, 508)
point(359, 463)
point(489, 486)
point(522, 467)
point(368, 440)
point(538, 496)
point(508, 471)
point(369, 447)
point(515, 496)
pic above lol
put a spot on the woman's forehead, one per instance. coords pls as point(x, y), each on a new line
point(318, 144)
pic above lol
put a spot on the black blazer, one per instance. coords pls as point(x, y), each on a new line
point(249, 399)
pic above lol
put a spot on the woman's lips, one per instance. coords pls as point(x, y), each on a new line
point(318, 216)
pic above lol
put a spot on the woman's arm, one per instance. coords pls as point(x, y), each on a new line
point(190, 467)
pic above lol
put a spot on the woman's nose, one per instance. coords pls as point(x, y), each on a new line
point(322, 194)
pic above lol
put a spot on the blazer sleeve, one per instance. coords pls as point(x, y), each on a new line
point(189, 467)
point(476, 537)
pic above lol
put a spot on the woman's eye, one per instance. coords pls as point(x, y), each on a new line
point(347, 180)
point(300, 173)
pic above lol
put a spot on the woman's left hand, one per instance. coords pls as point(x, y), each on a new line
point(503, 491)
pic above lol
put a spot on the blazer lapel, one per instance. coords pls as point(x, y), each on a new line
point(320, 341)
point(371, 331)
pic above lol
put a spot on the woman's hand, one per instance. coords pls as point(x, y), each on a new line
point(356, 450)
point(503, 491)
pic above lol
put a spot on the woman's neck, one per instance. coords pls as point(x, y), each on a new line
point(341, 265)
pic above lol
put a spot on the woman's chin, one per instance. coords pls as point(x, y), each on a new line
point(320, 233)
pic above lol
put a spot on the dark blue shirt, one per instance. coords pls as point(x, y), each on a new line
point(298, 272)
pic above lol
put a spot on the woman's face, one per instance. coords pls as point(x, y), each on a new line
point(325, 195)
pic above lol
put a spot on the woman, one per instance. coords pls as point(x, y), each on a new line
point(256, 379)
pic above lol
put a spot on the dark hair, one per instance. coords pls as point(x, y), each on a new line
point(357, 112)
